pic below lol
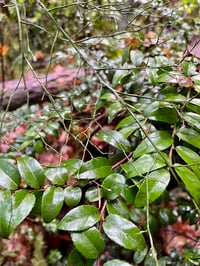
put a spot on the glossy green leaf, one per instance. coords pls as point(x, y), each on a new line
point(31, 171)
point(194, 105)
point(5, 213)
point(14, 209)
point(128, 125)
point(145, 164)
point(191, 181)
point(139, 256)
point(92, 194)
point(157, 61)
point(152, 74)
point(126, 54)
point(164, 216)
point(119, 76)
point(127, 131)
point(112, 186)
point(162, 261)
point(192, 119)
point(52, 202)
point(188, 68)
point(127, 121)
point(52, 128)
point(150, 260)
point(115, 139)
point(136, 57)
point(72, 195)
point(162, 112)
point(73, 165)
point(190, 136)
point(89, 243)
point(196, 80)
point(109, 97)
point(158, 140)
point(80, 218)
point(113, 110)
point(174, 97)
point(25, 144)
point(38, 203)
point(38, 146)
point(76, 259)
point(9, 175)
point(128, 193)
point(22, 204)
point(126, 78)
point(136, 214)
point(123, 232)
point(191, 158)
point(119, 207)
point(163, 77)
point(95, 168)
point(31, 132)
point(116, 263)
point(152, 187)
point(57, 175)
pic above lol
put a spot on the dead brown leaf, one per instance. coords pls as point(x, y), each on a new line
point(178, 235)
point(193, 48)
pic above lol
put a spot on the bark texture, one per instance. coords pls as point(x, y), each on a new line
point(15, 93)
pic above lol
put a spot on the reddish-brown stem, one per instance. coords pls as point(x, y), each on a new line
point(102, 215)
point(98, 262)
point(123, 160)
point(103, 210)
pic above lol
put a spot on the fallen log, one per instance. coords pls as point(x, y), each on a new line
point(15, 93)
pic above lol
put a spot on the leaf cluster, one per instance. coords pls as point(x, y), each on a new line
point(147, 178)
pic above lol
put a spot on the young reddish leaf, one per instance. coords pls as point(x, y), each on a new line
point(3, 49)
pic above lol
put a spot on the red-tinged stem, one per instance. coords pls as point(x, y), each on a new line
point(103, 210)
point(98, 262)
point(122, 161)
